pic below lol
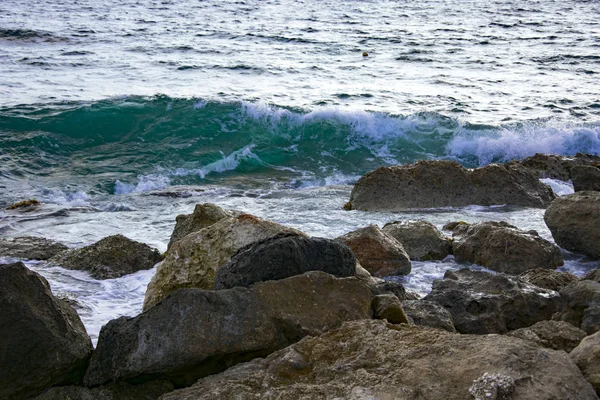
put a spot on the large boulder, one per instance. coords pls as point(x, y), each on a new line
point(389, 307)
point(31, 248)
point(111, 257)
point(587, 358)
point(204, 215)
point(375, 360)
point(581, 305)
point(428, 313)
point(378, 252)
point(194, 260)
point(481, 302)
point(554, 166)
point(545, 278)
point(421, 239)
point(283, 256)
point(574, 221)
point(445, 183)
point(42, 340)
point(585, 177)
point(195, 332)
point(505, 248)
point(112, 391)
point(557, 335)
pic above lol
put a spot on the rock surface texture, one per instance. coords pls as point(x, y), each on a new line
point(547, 279)
point(195, 332)
point(374, 360)
point(428, 313)
point(585, 178)
point(30, 248)
point(587, 358)
point(574, 221)
point(42, 339)
point(556, 167)
point(112, 391)
point(378, 252)
point(193, 261)
point(421, 239)
point(389, 307)
point(505, 248)
point(557, 335)
point(445, 183)
point(284, 256)
point(204, 215)
point(481, 302)
point(581, 305)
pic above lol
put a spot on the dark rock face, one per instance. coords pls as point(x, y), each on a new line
point(581, 305)
point(505, 248)
point(446, 183)
point(428, 313)
point(557, 335)
point(112, 391)
point(111, 257)
point(30, 248)
point(42, 339)
point(585, 178)
point(548, 279)
point(204, 215)
point(574, 221)
point(593, 276)
point(284, 256)
point(389, 307)
point(556, 167)
point(195, 332)
point(587, 358)
point(374, 360)
point(481, 302)
point(378, 252)
point(420, 238)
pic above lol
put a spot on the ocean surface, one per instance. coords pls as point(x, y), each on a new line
point(108, 109)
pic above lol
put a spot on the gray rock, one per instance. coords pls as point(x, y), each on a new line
point(587, 358)
point(574, 221)
point(593, 275)
point(112, 391)
point(547, 279)
point(505, 248)
point(578, 297)
point(283, 256)
point(557, 335)
point(446, 183)
point(389, 307)
point(481, 302)
point(43, 341)
point(30, 248)
point(204, 215)
point(194, 332)
point(420, 238)
point(585, 177)
point(590, 320)
point(428, 313)
point(374, 360)
point(556, 167)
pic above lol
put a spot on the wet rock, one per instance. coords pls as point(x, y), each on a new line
point(481, 302)
point(111, 257)
point(587, 358)
point(195, 332)
point(578, 297)
point(420, 238)
point(193, 261)
point(389, 307)
point(557, 335)
point(428, 313)
point(445, 183)
point(585, 178)
point(505, 248)
point(30, 248)
point(25, 205)
point(593, 275)
point(204, 215)
point(574, 221)
point(377, 252)
point(112, 391)
point(283, 256)
point(556, 167)
point(544, 278)
point(374, 360)
point(43, 341)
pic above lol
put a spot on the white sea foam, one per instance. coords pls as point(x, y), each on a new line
point(57, 196)
point(560, 188)
point(144, 184)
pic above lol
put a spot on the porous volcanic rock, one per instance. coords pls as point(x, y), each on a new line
point(204, 215)
point(428, 313)
point(42, 339)
point(545, 278)
point(31, 248)
point(581, 305)
point(585, 178)
point(374, 360)
point(587, 358)
point(557, 335)
point(421, 239)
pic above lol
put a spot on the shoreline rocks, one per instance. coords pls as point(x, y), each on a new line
point(204, 215)
point(554, 166)
point(421, 239)
point(31, 248)
point(586, 177)
point(557, 335)
point(587, 358)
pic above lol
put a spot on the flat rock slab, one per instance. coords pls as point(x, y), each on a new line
point(557, 335)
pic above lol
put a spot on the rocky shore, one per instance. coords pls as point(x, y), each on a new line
point(245, 308)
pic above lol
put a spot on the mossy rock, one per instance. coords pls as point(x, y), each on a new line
point(24, 204)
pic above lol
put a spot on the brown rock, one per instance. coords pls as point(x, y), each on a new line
point(587, 358)
point(548, 279)
point(30, 248)
point(389, 307)
point(421, 239)
point(557, 335)
point(581, 303)
point(204, 215)
point(428, 313)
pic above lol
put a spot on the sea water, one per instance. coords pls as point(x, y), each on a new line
point(270, 107)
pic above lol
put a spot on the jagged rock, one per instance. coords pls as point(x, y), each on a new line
point(374, 360)
point(593, 275)
point(445, 183)
point(579, 297)
point(378, 252)
point(587, 358)
point(25, 205)
point(574, 221)
point(428, 313)
point(557, 335)
point(204, 215)
point(585, 178)
point(42, 339)
point(193, 261)
point(195, 332)
point(283, 256)
point(481, 302)
point(30, 248)
point(505, 248)
point(556, 167)
point(420, 238)
point(112, 391)
point(389, 307)
point(111, 257)
point(544, 278)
